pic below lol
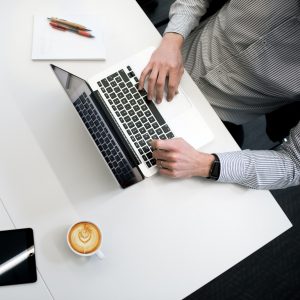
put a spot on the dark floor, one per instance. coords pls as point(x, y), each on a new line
point(272, 272)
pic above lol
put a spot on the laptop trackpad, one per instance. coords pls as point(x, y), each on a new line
point(171, 110)
point(192, 128)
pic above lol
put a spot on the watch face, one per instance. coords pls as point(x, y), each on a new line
point(215, 169)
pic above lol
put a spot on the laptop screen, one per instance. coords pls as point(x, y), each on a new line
point(101, 127)
point(73, 85)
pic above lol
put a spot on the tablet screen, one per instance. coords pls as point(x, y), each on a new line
point(17, 257)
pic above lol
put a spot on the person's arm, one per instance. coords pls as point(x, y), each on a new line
point(264, 169)
point(259, 169)
point(166, 66)
point(185, 15)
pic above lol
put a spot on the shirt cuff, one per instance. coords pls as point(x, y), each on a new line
point(181, 24)
point(232, 167)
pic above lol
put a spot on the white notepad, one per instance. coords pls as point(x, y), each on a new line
point(53, 44)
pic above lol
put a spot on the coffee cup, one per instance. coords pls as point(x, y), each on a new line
point(85, 239)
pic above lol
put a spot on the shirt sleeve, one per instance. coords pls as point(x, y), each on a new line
point(264, 169)
point(185, 15)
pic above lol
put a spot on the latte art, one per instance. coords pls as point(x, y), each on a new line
point(85, 237)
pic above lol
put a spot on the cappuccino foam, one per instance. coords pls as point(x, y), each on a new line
point(85, 237)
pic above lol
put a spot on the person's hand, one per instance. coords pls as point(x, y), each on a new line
point(176, 158)
point(164, 68)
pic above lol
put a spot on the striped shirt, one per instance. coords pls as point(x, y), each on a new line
point(246, 60)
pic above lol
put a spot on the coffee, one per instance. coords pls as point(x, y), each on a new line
point(84, 237)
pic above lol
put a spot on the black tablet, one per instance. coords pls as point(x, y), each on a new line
point(17, 257)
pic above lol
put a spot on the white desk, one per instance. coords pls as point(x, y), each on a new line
point(162, 244)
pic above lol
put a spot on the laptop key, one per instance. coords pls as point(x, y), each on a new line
point(170, 135)
point(120, 107)
point(142, 130)
point(153, 162)
point(159, 131)
point(131, 74)
point(155, 125)
point(112, 95)
point(127, 119)
point(131, 112)
point(123, 113)
point(142, 143)
point(144, 120)
point(105, 82)
point(130, 124)
point(132, 102)
point(135, 118)
point(129, 84)
point(146, 137)
point(123, 75)
point(165, 128)
point(134, 130)
point(140, 113)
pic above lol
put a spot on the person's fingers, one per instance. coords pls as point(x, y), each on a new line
point(160, 85)
point(144, 74)
point(152, 82)
point(168, 172)
point(169, 145)
point(174, 79)
point(164, 164)
point(160, 144)
point(164, 155)
point(172, 85)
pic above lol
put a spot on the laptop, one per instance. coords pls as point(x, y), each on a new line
point(122, 121)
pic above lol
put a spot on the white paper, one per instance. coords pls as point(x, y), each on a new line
point(53, 44)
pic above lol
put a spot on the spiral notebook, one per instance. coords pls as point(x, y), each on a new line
point(53, 44)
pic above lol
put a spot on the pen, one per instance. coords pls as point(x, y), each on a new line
point(68, 23)
point(66, 28)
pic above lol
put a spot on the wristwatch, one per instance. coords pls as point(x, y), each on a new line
point(214, 172)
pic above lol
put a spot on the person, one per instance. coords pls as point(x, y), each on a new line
point(245, 58)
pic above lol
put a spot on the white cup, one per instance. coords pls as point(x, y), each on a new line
point(97, 250)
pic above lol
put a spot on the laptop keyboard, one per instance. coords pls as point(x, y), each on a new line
point(113, 155)
point(139, 116)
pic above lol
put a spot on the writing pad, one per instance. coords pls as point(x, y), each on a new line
point(17, 257)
